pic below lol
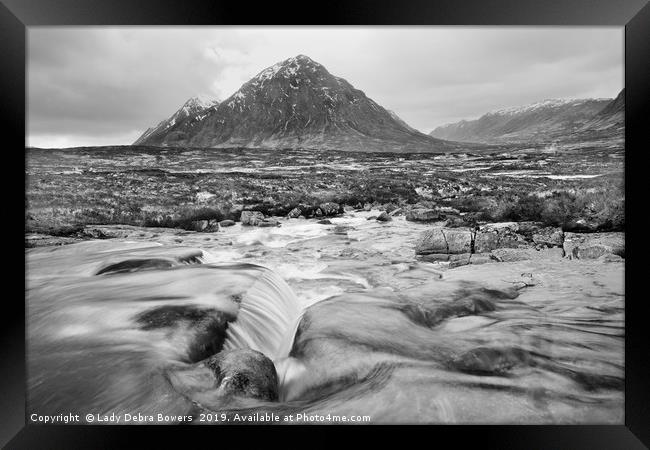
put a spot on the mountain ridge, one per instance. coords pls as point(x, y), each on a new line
point(545, 121)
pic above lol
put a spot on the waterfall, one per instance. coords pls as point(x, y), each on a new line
point(267, 319)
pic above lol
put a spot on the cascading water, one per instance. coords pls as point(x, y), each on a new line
point(267, 314)
point(131, 313)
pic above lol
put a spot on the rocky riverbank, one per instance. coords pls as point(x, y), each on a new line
point(443, 237)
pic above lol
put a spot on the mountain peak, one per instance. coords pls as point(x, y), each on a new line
point(200, 101)
point(289, 68)
point(298, 103)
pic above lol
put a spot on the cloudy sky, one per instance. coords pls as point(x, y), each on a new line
point(106, 85)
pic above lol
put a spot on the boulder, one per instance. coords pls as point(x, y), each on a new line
point(330, 208)
point(594, 245)
point(257, 219)
point(422, 215)
point(342, 229)
point(227, 223)
point(498, 235)
point(444, 240)
point(384, 217)
point(204, 226)
point(325, 222)
point(549, 236)
point(251, 217)
point(318, 212)
point(246, 373)
point(294, 213)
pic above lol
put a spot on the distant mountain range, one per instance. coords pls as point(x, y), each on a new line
point(546, 121)
point(296, 103)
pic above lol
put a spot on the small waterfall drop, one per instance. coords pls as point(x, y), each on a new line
point(267, 319)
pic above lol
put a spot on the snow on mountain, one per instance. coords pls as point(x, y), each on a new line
point(297, 103)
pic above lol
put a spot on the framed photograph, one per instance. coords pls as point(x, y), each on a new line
point(380, 215)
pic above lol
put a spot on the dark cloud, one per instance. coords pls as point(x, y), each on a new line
point(106, 85)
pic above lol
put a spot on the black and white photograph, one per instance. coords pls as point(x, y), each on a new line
point(289, 225)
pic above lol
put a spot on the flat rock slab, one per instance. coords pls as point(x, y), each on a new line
point(422, 215)
point(524, 254)
point(445, 240)
point(594, 245)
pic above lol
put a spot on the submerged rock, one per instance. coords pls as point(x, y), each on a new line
point(227, 223)
point(203, 329)
point(434, 257)
point(384, 217)
point(246, 373)
point(492, 361)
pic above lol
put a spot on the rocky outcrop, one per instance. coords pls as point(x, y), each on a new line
point(246, 373)
point(508, 242)
point(498, 235)
point(594, 245)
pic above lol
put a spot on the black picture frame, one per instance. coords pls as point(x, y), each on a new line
point(16, 15)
